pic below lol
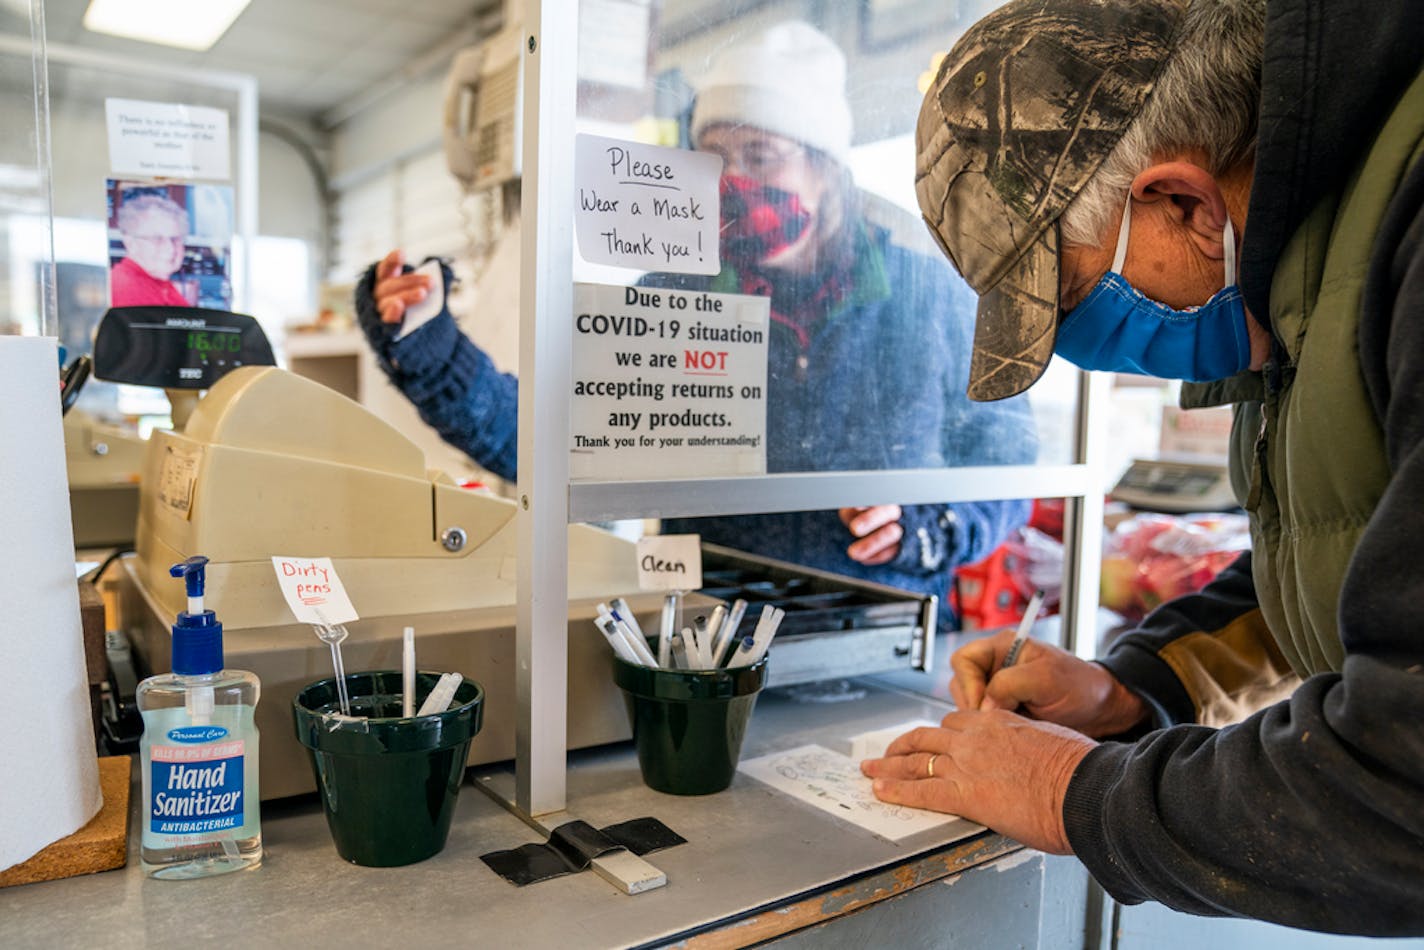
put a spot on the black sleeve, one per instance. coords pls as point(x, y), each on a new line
point(1199, 655)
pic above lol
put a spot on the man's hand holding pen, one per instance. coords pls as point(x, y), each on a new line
point(1006, 757)
point(1046, 683)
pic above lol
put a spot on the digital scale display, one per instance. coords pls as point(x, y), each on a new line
point(177, 347)
point(1176, 487)
point(220, 341)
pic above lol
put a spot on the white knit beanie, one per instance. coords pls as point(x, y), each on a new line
point(789, 79)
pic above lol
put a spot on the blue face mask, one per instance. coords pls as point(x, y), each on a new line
point(1118, 330)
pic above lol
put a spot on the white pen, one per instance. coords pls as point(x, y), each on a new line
point(665, 633)
point(679, 652)
point(702, 636)
point(769, 619)
point(1025, 625)
point(439, 699)
point(634, 637)
point(715, 623)
point(616, 641)
point(704, 644)
point(721, 646)
point(748, 644)
point(408, 672)
point(766, 629)
point(637, 645)
point(604, 613)
point(744, 649)
point(694, 649)
point(623, 612)
point(676, 598)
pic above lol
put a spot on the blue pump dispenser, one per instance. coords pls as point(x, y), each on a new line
point(197, 633)
point(199, 751)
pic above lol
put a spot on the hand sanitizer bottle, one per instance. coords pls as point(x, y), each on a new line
point(198, 753)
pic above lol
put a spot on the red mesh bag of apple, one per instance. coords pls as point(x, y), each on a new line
point(1151, 558)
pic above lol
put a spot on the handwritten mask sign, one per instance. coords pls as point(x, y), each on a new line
point(313, 590)
point(667, 383)
point(167, 140)
point(646, 207)
point(670, 562)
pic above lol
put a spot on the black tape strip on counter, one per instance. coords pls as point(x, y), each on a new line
point(644, 835)
point(573, 846)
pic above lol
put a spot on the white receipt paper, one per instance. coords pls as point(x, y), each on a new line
point(422, 312)
point(833, 783)
point(872, 745)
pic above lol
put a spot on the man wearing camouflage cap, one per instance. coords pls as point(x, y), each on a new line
point(1090, 166)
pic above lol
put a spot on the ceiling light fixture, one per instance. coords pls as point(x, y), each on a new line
point(186, 24)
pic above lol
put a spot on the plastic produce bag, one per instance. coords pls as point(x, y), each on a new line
point(1151, 558)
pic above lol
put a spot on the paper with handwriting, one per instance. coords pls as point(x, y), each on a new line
point(833, 783)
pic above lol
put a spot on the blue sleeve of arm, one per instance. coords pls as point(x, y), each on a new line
point(940, 537)
point(451, 382)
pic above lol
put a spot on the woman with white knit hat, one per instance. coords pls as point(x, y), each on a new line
point(869, 341)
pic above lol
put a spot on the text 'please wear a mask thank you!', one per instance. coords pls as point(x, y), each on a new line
point(758, 221)
point(1116, 329)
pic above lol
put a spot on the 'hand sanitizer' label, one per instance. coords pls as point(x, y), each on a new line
point(196, 789)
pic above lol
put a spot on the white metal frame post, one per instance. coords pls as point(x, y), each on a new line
point(546, 300)
point(1083, 522)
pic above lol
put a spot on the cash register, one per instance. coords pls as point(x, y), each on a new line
point(269, 463)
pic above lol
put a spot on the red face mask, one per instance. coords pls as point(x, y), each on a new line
point(758, 220)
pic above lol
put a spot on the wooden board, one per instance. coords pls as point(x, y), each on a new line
point(91, 615)
point(101, 845)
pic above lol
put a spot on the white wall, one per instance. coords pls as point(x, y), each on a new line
point(289, 199)
point(391, 189)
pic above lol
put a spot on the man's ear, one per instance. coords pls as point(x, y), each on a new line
point(1192, 199)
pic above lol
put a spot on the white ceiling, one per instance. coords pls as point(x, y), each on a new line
point(309, 56)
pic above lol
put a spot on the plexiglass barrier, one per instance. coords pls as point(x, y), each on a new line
point(116, 235)
point(796, 192)
point(27, 301)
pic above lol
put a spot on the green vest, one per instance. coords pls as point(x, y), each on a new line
point(1308, 455)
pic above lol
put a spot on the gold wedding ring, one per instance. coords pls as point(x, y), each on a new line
point(930, 767)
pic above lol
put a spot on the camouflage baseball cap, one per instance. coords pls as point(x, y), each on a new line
point(1020, 115)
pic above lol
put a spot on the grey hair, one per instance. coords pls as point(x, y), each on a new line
point(130, 211)
point(1207, 97)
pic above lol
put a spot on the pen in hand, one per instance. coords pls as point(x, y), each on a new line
point(1025, 625)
